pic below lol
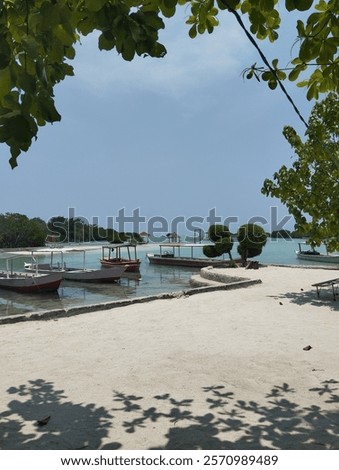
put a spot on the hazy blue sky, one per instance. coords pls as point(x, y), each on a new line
point(178, 136)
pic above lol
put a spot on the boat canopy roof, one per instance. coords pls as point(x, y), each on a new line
point(182, 245)
point(46, 250)
point(120, 245)
point(70, 249)
point(13, 254)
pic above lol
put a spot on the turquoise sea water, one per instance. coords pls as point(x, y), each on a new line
point(154, 280)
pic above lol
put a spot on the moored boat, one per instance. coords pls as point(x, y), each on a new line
point(313, 255)
point(81, 274)
point(122, 254)
point(23, 282)
point(28, 282)
point(94, 275)
point(171, 255)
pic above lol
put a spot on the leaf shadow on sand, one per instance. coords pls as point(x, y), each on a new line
point(279, 423)
point(214, 419)
point(71, 425)
point(309, 297)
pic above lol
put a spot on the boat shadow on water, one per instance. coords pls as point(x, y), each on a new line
point(12, 303)
point(69, 294)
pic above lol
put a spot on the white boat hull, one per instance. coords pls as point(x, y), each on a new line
point(94, 275)
point(22, 282)
point(186, 261)
point(318, 258)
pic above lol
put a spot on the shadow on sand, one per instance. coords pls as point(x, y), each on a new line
point(310, 297)
point(221, 422)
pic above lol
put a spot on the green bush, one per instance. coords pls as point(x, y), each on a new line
point(224, 245)
point(210, 251)
point(252, 238)
point(248, 252)
point(221, 236)
point(217, 232)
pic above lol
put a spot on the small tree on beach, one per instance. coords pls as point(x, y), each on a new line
point(252, 238)
point(222, 239)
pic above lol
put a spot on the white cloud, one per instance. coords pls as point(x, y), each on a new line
point(189, 64)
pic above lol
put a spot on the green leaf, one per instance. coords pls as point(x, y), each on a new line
point(266, 76)
point(49, 16)
point(5, 54)
point(193, 32)
point(40, 70)
point(159, 50)
point(294, 74)
point(106, 41)
point(168, 7)
point(11, 101)
point(221, 5)
point(312, 92)
point(19, 128)
point(170, 3)
point(281, 75)
point(303, 5)
point(31, 47)
point(232, 3)
point(275, 63)
point(26, 82)
point(152, 19)
point(267, 5)
point(95, 5)
point(128, 49)
point(15, 152)
point(201, 28)
point(290, 5)
point(47, 109)
point(272, 84)
point(5, 82)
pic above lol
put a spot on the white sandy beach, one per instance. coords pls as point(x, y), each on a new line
point(220, 370)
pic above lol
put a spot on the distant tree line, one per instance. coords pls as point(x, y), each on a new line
point(286, 234)
point(78, 230)
point(18, 231)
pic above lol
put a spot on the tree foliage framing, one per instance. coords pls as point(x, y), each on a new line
point(38, 38)
point(310, 188)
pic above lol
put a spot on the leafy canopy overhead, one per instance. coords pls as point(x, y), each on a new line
point(310, 188)
point(38, 38)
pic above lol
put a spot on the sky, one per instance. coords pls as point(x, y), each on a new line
point(168, 144)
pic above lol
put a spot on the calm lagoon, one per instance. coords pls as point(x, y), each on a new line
point(153, 280)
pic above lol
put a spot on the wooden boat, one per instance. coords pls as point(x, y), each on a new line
point(170, 255)
point(80, 274)
point(113, 255)
point(313, 255)
point(23, 282)
point(29, 283)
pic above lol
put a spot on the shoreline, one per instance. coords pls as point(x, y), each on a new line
point(79, 310)
point(219, 370)
point(43, 315)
